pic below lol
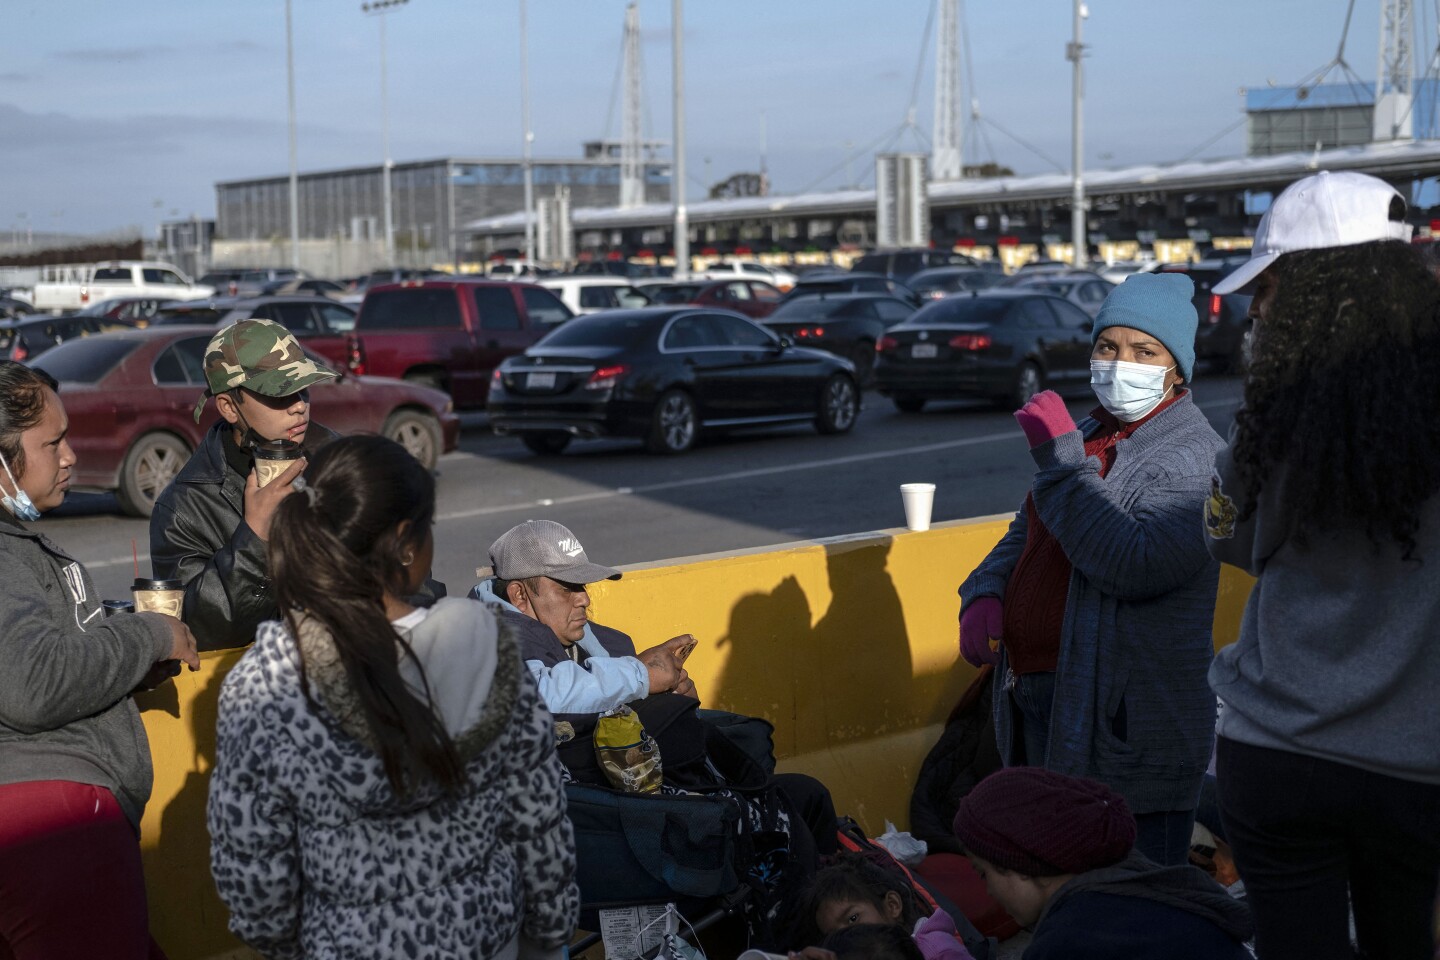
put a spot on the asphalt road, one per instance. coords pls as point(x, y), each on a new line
point(729, 493)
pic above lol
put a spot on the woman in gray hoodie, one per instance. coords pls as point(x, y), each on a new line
point(1328, 761)
point(74, 762)
point(386, 781)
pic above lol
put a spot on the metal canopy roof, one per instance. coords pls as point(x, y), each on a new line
point(1394, 160)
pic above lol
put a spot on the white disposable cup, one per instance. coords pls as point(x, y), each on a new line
point(918, 499)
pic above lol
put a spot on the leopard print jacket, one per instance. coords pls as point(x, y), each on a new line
point(316, 856)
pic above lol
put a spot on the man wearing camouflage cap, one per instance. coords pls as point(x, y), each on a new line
point(210, 526)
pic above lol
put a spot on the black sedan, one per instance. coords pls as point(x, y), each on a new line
point(1003, 344)
point(846, 324)
point(664, 374)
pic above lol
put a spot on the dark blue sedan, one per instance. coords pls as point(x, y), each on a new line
point(664, 375)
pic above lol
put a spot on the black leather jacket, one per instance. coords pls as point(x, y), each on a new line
point(198, 534)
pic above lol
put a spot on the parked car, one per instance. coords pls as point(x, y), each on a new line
point(450, 334)
point(1086, 291)
point(812, 284)
point(129, 397)
point(226, 282)
point(753, 298)
point(1118, 271)
point(937, 282)
point(13, 307)
point(518, 270)
point(321, 324)
point(135, 311)
point(77, 286)
point(300, 286)
point(666, 374)
point(621, 268)
point(903, 264)
point(187, 312)
point(24, 340)
point(845, 324)
point(782, 280)
point(591, 293)
point(252, 283)
point(1224, 317)
point(1006, 345)
point(1043, 265)
point(1043, 270)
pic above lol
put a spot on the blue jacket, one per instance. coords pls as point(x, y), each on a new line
point(1132, 704)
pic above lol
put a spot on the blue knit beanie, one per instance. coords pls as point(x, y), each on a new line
point(1161, 305)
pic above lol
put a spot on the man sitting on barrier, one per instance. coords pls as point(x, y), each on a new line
point(585, 669)
point(541, 573)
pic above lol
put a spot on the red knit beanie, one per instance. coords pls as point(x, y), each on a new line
point(1044, 824)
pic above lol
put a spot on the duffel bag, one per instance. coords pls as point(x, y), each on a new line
point(644, 848)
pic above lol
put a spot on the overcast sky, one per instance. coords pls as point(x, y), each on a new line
point(117, 113)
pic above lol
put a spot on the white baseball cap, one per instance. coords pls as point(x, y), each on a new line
point(1324, 210)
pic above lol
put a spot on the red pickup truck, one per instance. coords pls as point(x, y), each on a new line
point(450, 334)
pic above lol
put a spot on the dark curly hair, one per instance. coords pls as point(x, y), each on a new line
point(853, 876)
point(873, 941)
point(1343, 392)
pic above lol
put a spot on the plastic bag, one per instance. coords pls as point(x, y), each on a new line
point(628, 755)
point(902, 846)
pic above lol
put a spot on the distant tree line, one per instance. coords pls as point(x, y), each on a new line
point(87, 253)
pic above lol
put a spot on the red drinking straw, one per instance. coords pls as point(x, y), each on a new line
point(135, 552)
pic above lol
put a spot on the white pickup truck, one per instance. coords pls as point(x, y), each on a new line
point(77, 285)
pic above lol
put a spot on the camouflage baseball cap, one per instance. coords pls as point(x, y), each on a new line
point(259, 355)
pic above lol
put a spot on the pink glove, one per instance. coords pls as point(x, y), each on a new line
point(980, 622)
point(1044, 418)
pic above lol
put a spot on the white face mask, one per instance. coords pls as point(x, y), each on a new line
point(1128, 390)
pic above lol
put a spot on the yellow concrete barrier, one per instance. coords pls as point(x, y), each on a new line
point(847, 645)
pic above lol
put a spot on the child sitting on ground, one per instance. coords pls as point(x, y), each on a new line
point(852, 890)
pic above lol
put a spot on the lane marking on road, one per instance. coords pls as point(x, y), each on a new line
point(726, 477)
point(715, 478)
point(611, 494)
point(117, 561)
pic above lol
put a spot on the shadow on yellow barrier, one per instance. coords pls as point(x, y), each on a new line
point(848, 646)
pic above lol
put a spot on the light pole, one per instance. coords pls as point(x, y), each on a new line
point(294, 174)
point(677, 175)
point(1075, 53)
point(528, 138)
point(380, 8)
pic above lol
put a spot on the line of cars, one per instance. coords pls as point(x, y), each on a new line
point(606, 356)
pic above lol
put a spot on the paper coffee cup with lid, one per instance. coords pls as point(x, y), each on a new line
point(159, 596)
point(273, 457)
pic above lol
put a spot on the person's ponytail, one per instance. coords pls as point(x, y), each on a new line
point(333, 555)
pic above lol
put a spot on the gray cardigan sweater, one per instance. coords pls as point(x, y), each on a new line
point(66, 674)
point(1338, 655)
point(1132, 706)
